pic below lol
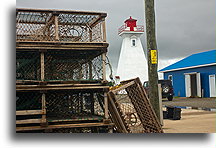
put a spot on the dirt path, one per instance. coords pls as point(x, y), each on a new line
point(192, 121)
point(191, 102)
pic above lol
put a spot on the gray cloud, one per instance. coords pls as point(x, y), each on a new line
point(184, 27)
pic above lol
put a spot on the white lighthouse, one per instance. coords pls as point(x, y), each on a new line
point(132, 61)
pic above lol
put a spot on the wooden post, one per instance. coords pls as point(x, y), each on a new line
point(43, 120)
point(152, 55)
point(42, 66)
point(104, 30)
point(90, 34)
point(106, 106)
point(160, 103)
point(56, 28)
point(104, 66)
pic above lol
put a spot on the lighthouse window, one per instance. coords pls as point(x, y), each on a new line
point(133, 42)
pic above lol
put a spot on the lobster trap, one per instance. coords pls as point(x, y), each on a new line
point(61, 71)
point(59, 65)
point(61, 25)
point(131, 110)
point(78, 105)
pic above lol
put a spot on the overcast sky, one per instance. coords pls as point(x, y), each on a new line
point(183, 27)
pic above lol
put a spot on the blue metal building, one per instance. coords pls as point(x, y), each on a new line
point(193, 76)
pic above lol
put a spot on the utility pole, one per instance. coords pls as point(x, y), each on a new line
point(152, 55)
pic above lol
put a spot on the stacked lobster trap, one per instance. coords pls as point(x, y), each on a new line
point(61, 71)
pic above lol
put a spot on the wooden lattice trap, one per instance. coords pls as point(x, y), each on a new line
point(60, 25)
point(131, 110)
point(61, 71)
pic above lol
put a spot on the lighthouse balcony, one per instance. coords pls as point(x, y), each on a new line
point(124, 28)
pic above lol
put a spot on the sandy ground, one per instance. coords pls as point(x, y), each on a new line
point(192, 121)
point(191, 102)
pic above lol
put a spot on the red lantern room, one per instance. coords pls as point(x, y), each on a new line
point(131, 23)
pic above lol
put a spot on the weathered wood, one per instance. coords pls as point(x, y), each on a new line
point(61, 42)
point(123, 87)
point(104, 66)
point(90, 34)
point(74, 120)
point(57, 48)
point(140, 106)
point(95, 22)
point(43, 101)
point(42, 66)
point(56, 27)
point(28, 121)
point(50, 45)
point(104, 31)
point(116, 115)
point(62, 88)
point(30, 128)
point(61, 11)
point(106, 115)
point(60, 81)
point(57, 85)
point(152, 45)
point(29, 112)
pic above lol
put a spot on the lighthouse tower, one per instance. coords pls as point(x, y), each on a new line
point(132, 61)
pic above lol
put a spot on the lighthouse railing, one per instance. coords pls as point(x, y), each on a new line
point(139, 28)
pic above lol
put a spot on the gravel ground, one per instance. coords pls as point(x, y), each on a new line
point(191, 102)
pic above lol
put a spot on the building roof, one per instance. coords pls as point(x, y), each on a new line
point(195, 60)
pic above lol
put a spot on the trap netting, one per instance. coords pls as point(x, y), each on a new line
point(59, 65)
point(129, 113)
point(48, 25)
point(80, 105)
point(28, 65)
point(28, 101)
point(81, 130)
point(131, 110)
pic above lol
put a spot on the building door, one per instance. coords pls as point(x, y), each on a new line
point(193, 85)
point(187, 85)
point(212, 86)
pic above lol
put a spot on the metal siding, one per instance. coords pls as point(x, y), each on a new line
point(203, 58)
point(179, 79)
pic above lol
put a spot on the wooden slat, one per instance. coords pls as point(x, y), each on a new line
point(59, 48)
point(106, 106)
point(61, 11)
point(60, 81)
point(61, 88)
point(123, 87)
point(62, 126)
point(78, 119)
point(95, 22)
point(58, 85)
point(61, 42)
point(56, 28)
point(30, 112)
point(42, 66)
point(43, 120)
point(104, 66)
point(28, 121)
point(116, 114)
point(104, 31)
